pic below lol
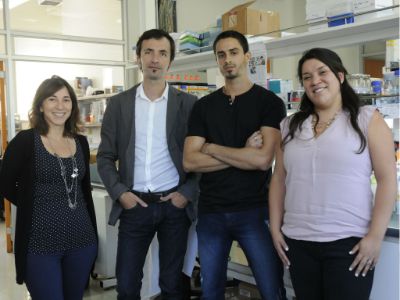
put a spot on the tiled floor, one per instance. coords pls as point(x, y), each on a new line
point(9, 290)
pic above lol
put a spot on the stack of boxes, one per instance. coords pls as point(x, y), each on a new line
point(193, 42)
point(190, 42)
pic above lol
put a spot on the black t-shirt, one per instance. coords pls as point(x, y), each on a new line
point(219, 122)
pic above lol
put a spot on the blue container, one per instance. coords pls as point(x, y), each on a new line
point(376, 86)
point(340, 19)
point(274, 86)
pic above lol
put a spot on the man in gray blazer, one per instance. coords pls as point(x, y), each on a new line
point(140, 162)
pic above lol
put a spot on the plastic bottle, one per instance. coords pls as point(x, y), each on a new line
point(396, 82)
point(388, 84)
point(376, 87)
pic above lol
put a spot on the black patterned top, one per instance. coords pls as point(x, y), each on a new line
point(55, 226)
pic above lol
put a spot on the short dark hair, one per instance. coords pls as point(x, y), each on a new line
point(350, 100)
point(46, 89)
point(156, 34)
point(235, 35)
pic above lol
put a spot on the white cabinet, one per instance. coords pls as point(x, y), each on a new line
point(386, 277)
point(108, 235)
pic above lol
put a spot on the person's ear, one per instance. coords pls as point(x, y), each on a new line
point(341, 77)
point(247, 55)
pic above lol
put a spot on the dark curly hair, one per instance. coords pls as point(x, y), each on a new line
point(46, 89)
point(350, 100)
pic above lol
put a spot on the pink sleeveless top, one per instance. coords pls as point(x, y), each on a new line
point(328, 189)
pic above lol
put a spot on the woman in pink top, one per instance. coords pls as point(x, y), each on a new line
point(325, 223)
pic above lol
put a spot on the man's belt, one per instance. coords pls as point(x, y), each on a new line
point(153, 197)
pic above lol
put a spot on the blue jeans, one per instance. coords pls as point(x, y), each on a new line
point(216, 231)
point(137, 228)
point(61, 276)
point(320, 270)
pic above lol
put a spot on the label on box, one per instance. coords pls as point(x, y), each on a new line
point(232, 21)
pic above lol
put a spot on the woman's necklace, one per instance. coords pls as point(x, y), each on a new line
point(74, 176)
point(321, 125)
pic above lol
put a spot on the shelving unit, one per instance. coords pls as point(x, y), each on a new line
point(95, 97)
point(92, 111)
point(333, 37)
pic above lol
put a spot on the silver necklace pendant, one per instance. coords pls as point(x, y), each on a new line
point(74, 174)
point(72, 205)
point(74, 181)
point(62, 168)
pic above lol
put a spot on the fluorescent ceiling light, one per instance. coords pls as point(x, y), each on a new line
point(14, 3)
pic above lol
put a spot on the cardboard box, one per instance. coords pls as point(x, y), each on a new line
point(248, 291)
point(250, 21)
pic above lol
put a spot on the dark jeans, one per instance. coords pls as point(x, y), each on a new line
point(216, 231)
point(137, 228)
point(320, 271)
point(61, 276)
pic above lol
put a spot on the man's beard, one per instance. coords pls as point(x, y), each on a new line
point(153, 75)
point(231, 75)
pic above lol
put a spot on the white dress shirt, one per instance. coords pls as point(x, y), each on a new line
point(154, 169)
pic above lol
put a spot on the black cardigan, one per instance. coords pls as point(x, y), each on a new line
point(16, 185)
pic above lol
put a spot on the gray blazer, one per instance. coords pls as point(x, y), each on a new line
point(116, 153)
